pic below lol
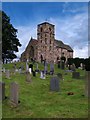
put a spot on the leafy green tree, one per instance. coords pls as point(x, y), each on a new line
point(10, 42)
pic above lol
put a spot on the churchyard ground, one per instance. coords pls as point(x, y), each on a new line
point(37, 101)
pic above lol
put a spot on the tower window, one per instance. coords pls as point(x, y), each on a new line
point(50, 41)
point(50, 29)
point(45, 40)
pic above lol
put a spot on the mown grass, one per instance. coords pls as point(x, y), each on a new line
point(37, 101)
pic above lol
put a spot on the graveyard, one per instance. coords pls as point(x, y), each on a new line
point(37, 99)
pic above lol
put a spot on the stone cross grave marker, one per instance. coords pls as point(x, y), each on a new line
point(14, 92)
point(76, 75)
point(51, 68)
point(54, 83)
point(28, 77)
point(2, 91)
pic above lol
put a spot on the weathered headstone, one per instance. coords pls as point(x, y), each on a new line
point(30, 70)
point(73, 67)
point(42, 75)
point(76, 75)
point(31, 66)
point(28, 77)
point(54, 84)
point(51, 68)
point(4, 70)
point(45, 68)
point(8, 74)
point(2, 91)
point(14, 91)
point(62, 65)
point(27, 67)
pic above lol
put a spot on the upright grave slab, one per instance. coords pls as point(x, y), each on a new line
point(14, 93)
point(54, 84)
point(2, 91)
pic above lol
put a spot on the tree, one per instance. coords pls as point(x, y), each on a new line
point(10, 42)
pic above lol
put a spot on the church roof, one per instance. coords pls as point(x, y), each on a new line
point(46, 23)
point(34, 41)
point(62, 45)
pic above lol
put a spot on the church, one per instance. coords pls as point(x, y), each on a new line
point(46, 47)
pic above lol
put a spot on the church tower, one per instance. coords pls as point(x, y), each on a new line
point(45, 37)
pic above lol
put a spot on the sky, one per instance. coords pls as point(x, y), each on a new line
point(70, 20)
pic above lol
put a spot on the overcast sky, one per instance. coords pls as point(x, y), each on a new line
point(70, 20)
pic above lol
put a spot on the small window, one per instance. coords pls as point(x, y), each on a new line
point(50, 41)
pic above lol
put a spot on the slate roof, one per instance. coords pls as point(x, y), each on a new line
point(62, 45)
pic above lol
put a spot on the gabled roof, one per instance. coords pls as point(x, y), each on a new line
point(62, 45)
point(34, 41)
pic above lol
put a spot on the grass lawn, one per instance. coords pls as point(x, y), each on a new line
point(37, 101)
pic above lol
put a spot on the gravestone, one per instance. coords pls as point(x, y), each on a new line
point(30, 70)
point(2, 91)
point(73, 67)
point(51, 68)
point(59, 76)
point(8, 74)
point(76, 75)
point(31, 66)
point(14, 91)
point(54, 84)
point(62, 65)
point(27, 67)
point(42, 75)
point(45, 68)
point(28, 77)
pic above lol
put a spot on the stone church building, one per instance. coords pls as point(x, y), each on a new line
point(46, 46)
